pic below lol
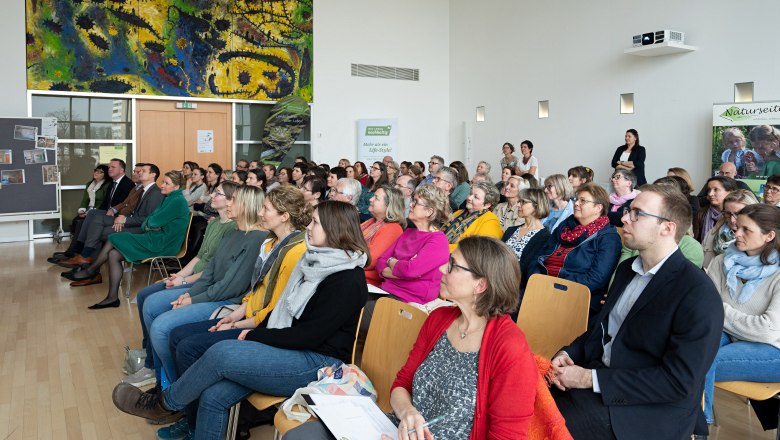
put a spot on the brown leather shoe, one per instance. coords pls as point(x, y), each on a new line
point(76, 261)
point(88, 282)
point(131, 400)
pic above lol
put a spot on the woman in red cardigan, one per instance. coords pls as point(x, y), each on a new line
point(471, 364)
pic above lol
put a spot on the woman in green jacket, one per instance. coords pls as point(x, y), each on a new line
point(163, 233)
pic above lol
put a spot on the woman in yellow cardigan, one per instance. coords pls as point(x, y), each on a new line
point(477, 218)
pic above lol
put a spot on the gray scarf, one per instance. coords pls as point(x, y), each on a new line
point(315, 265)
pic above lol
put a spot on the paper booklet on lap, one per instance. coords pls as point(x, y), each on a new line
point(351, 417)
point(377, 290)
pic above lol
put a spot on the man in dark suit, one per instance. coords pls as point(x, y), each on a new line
point(638, 373)
point(121, 185)
point(127, 216)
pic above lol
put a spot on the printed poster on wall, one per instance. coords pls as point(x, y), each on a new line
point(205, 141)
point(376, 139)
point(748, 135)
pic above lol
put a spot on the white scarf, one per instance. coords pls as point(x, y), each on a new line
point(314, 266)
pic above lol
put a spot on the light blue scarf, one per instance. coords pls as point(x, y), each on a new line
point(738, 264)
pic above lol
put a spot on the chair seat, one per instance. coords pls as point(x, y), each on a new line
point(283, 424)
point(262, 401)
point(751, 390)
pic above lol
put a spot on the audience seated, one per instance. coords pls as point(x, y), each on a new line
point(313, 189)
point(462, 187)
point(179, 283)
point(772, 190)
point(508, 212)
point(585, 248)
point(361, 173)
point(162, 233)
point(638, 372)
point(313, 327)
point(197, 186)
point(406, 185)
point(224, 280)
point(377, 176)
point(384, 228)
point(717, 188)
point(446, 179)
point(527, 241)
point(624, 186)
point(347, 190)
point(580, 175)
point(284, 177)
point(506, 173)
point(471, 363)
point(747, 276)
point(477, 218)
point(721, 236)
point(560, 194)
point(409, 267)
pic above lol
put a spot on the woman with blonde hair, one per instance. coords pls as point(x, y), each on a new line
point(681, 172)
point(508, 212)
point(528, 239)
point(721, 236)
point(559, 192)
point(384, 227)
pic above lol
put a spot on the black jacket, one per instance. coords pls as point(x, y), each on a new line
point(123, 188)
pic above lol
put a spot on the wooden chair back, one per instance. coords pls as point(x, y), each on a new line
point(553, 313)
point(391, 335)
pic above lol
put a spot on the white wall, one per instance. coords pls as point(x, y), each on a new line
point(13, 79)
point(507, 55)
point(401, 33)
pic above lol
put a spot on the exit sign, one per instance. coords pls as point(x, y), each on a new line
point(186, 105)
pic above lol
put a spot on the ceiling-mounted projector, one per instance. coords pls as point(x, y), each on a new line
point(658, 37)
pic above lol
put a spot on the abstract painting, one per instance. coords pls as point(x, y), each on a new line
point(229, 49)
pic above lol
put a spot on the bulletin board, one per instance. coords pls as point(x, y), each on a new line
point(28, 166)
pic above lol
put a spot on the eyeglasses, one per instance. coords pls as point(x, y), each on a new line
point(616, 177)
point(433, 163)
point(452, 264)
point(438, 179)
point(523, 202)
point(217, 194)
point(549, 187)
point(582, 201)
point(415, 202)
point(376, 168)
point(633, 214)
point(730, 215)
point(771, 189)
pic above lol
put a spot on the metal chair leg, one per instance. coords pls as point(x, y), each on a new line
point(232, 425)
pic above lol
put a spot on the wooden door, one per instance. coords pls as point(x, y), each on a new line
point(167, 136)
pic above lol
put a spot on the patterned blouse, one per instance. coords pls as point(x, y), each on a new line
point(518, 243)
point(445, 384)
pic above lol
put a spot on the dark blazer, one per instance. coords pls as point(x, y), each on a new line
point(637, 156)
point(150, 200)
point(123, 188)
point(531, 251)
point(653, 387)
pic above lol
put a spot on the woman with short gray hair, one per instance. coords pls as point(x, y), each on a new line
point(477, 218)
point(623, 183)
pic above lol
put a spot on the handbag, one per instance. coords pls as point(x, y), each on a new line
point(339, 380)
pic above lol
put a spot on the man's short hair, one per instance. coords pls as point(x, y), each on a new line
point(410, 183)
point(271, 167)
point(121, 163)
point(481, 177)
point(352, 188)
point(674, 206)
point(154, 170)
point(451, 175)
point(438, 159)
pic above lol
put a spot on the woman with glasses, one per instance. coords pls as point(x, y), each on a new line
point(285, 176)
point(477, 218)
point(179, 282)
point(409, 267)
point(559, 192)
point(772, 191)
point(584, 248)
point(623, 183)
point(508, 212)
point(721, 236)
point(377, 178)
point(314, 189)
point(508, 160)
point(528, 240)
point(747, 276)
point(631, 156)
point(313, 326)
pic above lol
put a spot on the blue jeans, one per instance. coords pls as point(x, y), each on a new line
point(160, 319)
point(140, 298)
point(231, 370)
point(740, 360)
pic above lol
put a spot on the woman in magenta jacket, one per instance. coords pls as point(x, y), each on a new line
point(471, 364)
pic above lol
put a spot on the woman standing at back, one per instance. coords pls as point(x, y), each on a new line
point(631, 156)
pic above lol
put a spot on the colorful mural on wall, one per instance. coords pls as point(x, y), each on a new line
point(230, 49)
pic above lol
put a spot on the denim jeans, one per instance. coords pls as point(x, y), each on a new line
point(740, 360)
point(231, 370)
point(140, 299)
point(189, 342)
point(160, 319)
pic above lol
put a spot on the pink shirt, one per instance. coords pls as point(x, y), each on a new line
point(419, 254)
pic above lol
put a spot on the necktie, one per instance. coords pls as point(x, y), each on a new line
point(113, 188)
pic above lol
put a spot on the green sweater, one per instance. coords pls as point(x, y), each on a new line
point(228, 274)
point(214, 233)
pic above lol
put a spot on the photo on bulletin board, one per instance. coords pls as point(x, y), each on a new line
point(47, 142)
point(12, 177)
point(37, 155)
point(6, 157)
point(49, 174)
point(25, 133)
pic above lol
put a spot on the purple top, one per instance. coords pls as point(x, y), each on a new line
point(419, 254)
